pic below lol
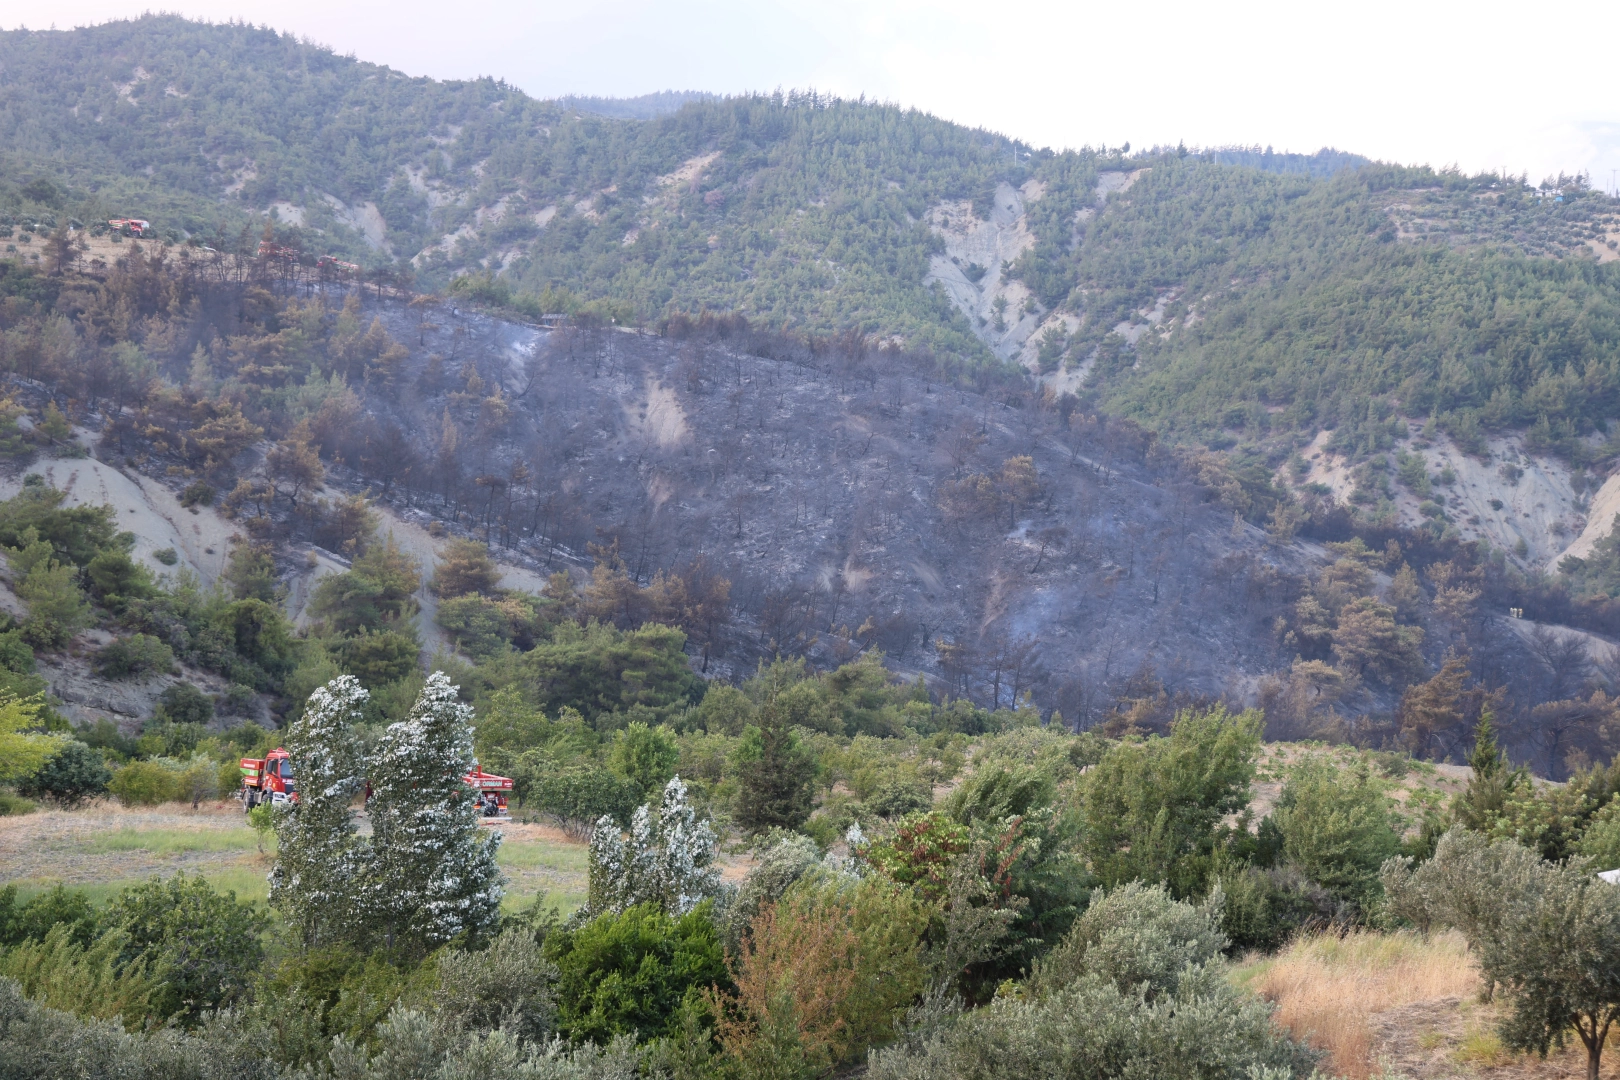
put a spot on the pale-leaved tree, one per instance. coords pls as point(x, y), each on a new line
point(666, 860)
point(433, 864)
point(320, 863)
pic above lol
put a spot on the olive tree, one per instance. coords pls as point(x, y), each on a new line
point(1547, 935)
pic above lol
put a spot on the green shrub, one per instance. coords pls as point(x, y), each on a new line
point(200, 946)
point(1153, 810)
point(13, 805)
point(183, 703)
point(631, 973)
point(476, 624)
point(1090, 1028)
point(115, 578)
point(15, 653)
point(144, 783)
point(352, 991)
point(197, 494)
point(897, 796)
point(827, 972)
point(105, 735)
point(60, 973)
point(506, 985)
point(1265, 907)
point(644, 755)
point(70, 776)
point(163, 738)
point(1337, 828)
point(136, 655)
point(57, 610)
point(239, 700)
point(581, 795)
point(59, 906)
point(1139, 938)
point(167, 556)
point(379, 657)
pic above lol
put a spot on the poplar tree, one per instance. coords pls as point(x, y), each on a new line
point(433, 864)
point(321, 864)
point(667, 860)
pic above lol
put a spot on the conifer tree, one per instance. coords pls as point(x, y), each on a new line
point(321, 864)
point(433, 865)
point(1494, 780)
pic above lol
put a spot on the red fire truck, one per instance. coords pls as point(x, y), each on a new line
point(268, 779)
point(131, 226)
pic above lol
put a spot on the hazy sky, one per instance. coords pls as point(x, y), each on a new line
point(1485, 86)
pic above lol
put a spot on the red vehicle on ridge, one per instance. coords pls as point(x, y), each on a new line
point(131, 226)
point(270, 780)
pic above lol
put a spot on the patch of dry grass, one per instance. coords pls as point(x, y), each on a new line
point(1327, 988)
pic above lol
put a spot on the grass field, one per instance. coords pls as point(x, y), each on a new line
point(105, 847)
point(1396, 1005)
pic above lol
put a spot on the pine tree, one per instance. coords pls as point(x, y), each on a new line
point(434, 872)
point(1493, 780)
point(668, 861)
point(321, 864)
point(774, 775)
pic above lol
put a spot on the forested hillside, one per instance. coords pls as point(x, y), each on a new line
point(1288, 294)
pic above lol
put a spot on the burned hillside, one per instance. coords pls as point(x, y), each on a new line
point(773, 495)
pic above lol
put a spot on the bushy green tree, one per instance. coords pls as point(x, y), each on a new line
point(632, 971)
point(56, 906)
point(321, 872)
point(1152, 810)
point(144, 783)
point(579, 796)
point(775, 774)
point(379, 657)
point(376, 590)
point(508, 724)
point(433, 866)
point(603, 671)
point(1494, 780)
point(70, 776)
point(183, 703)
point(202, 947)
point(465, 567)
point(57, 609)
point(1337, 827)
point(251, 573)
point(644, 755)
point(23, 746)
point(134, 656)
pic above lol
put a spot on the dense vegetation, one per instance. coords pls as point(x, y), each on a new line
point(1071, 900)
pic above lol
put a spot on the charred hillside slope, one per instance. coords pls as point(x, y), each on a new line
point(773, 494)
point(852, 498)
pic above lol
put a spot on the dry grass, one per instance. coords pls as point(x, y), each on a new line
point(1327, 989)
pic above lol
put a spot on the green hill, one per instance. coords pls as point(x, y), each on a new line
point(1285, 294)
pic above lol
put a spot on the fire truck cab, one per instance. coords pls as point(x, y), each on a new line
point(268, 780)
point(138, 227)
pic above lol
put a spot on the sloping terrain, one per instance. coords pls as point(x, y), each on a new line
point(822, 488)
